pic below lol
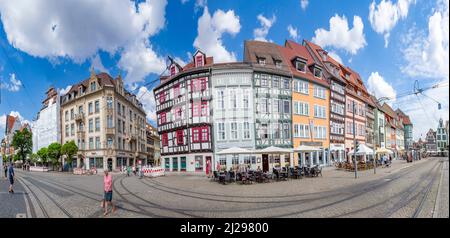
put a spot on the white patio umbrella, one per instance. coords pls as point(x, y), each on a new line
point(235, 151)
point(306, 148)
point(274, 150)
point(383, 151)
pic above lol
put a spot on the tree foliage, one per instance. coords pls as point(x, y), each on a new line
point(69, 149)
point(43, 154)
point(22, 143)
point(54, 152)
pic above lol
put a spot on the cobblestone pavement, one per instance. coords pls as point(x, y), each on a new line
point(12, 205)
point(403, 190)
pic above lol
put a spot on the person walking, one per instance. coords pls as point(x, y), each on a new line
point(128, 171)
point(107, 200)
point(5, 168)
point(11, 178)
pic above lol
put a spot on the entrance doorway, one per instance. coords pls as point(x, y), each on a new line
point(110, 164)
point(265, 162)
point(208, 165)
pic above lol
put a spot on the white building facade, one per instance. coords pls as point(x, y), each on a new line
point(46, 128)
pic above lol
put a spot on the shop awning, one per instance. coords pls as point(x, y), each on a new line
point(337, 147)
point(363, 150)
point(274, 150)
point(234, 150)
point(383, 151)
point(307, 148)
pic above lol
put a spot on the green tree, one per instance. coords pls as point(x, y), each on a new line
point(34, 158)
point(43, 154)
point(16, 157)
point(69, 149)
point(22, 143)
point(54, 153)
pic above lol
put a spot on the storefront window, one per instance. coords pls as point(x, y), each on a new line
point(183, 163)
point(198, 163)
point(175, 164)
point(167, 164)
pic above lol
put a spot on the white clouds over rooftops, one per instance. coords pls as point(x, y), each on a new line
point(78, 30)
point(379, 87)
point(427, 53)
point(210, 32)
point(14, 84)
point(266, 23)
point(385, 15)
point(293, 33)
point(340, 36)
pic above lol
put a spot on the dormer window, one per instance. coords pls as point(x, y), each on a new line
point(262, 61)
point(300, 66)
point(278, 63)
point(347, 76)
point(199, 60)
point(317, 73)
point(93, 86)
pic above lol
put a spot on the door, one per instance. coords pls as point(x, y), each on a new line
point(110, 163)
point(208, 165)
point(183, 163)
point(174, 164)
point(265, 162)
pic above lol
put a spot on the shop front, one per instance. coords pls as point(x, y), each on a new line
point(337, 153)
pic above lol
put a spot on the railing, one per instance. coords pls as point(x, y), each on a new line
point(79, 117)
point(81, 134)
point(110, 130)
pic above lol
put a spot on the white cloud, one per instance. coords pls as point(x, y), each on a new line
point(427, 54)
point(423, 111)
point(378, 86)
point(77, 30)
point(210, 31)
point(14, 84)
point(304, 4)
point(293, 33)
point(340, 36)
point(139, 60)
point(147, 99)
point(335, 56)
point(96, 62)
point(63, 91)
point(261, 32)
point(384, 16)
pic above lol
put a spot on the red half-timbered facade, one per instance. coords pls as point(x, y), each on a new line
point(183, 108)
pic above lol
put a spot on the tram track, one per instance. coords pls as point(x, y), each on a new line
point(63, 210)
point(402, 201)
point(76, 190)
point(38, 201)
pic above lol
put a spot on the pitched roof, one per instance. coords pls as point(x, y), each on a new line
point(316, 49)
point(388, 110)
point(10, 120)
point(103, 79)
point(190, 65)
point(291, 51)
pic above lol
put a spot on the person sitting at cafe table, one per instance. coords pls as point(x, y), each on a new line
point(259, 169)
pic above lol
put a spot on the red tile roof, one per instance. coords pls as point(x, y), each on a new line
point(293, 50)
point(190, 65)
point(10, 120)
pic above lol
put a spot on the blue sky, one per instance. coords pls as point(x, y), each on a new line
point(50, 42)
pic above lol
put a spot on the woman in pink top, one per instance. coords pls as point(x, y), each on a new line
point(107, 184)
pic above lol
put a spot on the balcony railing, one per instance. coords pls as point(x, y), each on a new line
point(79, 117)
point(110, 130)
point(81, 134)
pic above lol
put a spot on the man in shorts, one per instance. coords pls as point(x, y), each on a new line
point(11, 175)
point(107, 184)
